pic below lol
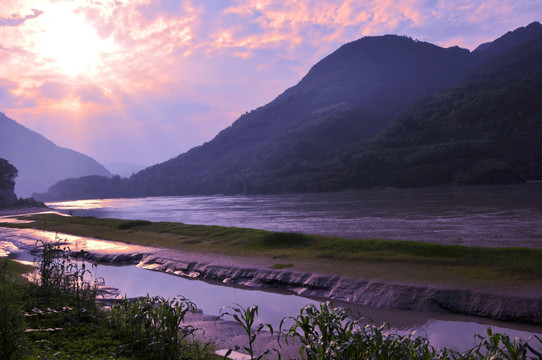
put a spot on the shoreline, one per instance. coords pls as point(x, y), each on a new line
point(522, 304)
point(497, 305)
point(26, 211)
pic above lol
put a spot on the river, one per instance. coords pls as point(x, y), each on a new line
point(483, 216)
point(480, 216)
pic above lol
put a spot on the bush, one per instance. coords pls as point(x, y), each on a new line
point(11, 316)
point(154, 326)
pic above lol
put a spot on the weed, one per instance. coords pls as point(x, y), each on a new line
point(62, 270)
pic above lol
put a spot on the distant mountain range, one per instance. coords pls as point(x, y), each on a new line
point(39, 161)
point(123, 169)
point(380, 111)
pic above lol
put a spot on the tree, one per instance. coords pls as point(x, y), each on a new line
point(8, 173)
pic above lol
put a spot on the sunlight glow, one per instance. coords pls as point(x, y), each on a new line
point(71, 45)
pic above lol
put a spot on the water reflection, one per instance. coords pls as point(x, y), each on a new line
point(442, 330)
point(484, 216)
point(132, 281)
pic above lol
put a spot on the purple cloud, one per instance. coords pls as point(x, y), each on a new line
point(147, 80)
point(16, 20)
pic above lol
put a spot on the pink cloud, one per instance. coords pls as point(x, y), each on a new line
point(16, 20)
point(191, 67)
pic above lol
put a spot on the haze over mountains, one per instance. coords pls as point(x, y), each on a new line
point(331, 130)
point(39, 161)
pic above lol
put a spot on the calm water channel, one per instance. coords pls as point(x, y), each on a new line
point(486, 216)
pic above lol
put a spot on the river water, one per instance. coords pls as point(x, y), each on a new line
point(483, 216)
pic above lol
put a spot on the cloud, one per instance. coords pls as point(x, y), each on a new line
point(94, 94)
point(148, 79)
point(16, 20)
point(9, 99)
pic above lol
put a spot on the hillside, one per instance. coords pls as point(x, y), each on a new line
point(347, 96)
point(313, 135)
point(40, 162)
point(487, 131)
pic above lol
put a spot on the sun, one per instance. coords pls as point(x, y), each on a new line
point(69, 44)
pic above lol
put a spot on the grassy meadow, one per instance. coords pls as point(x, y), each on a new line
point(375, 259)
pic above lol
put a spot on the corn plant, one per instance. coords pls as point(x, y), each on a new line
point(498, 346)
point(378, 342)
point(154, 325)
point(328, 332)
point(245, 317)
point(323, 332)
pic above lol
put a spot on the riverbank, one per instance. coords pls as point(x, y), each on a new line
point(24, 211)
point(497, 283)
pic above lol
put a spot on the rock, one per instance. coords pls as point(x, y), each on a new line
point(518, 308)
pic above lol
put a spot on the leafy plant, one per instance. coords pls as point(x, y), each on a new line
point(323, 331)
point(154, 325)
point(498, 346)
point(245, 317)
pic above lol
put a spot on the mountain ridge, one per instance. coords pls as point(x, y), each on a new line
point(40, 162)
point(286, 144)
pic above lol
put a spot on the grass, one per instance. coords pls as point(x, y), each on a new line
point(15, 270)
point(359, 258)
point(58, 317)
point(279, 266)
point(53, 319)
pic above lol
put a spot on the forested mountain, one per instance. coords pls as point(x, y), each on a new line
point(487, 131)
point(40, 162)
point(317, 135)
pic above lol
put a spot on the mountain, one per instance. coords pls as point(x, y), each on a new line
point(123, 169)
point(307, 137)
point(40, 162)
point(509, 41)
point(486, 131)
point(346, 96)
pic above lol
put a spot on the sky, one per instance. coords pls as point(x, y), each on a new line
point(141, 81)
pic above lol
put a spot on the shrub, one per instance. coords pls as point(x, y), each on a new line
point(153, 325)
point(11, 317)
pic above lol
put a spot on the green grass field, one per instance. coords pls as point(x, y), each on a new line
point(386, 260)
